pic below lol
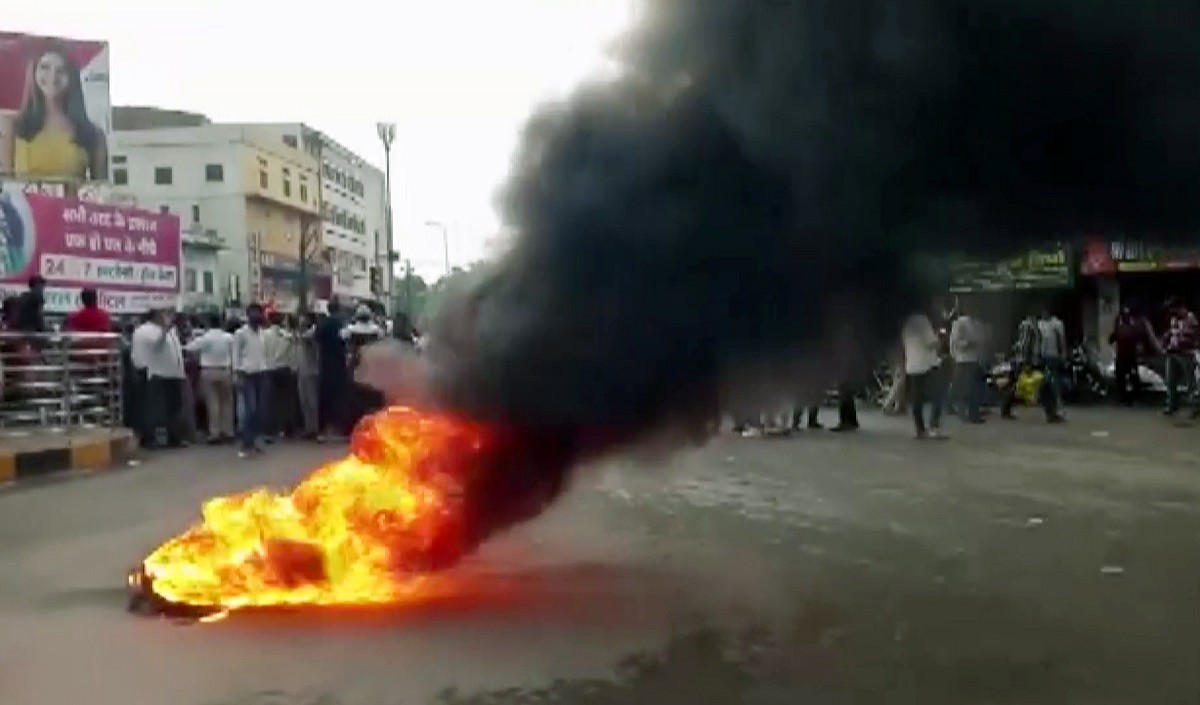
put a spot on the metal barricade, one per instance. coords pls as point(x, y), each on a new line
point(60, 380)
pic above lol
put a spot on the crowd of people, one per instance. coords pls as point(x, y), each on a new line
point(251, 379)
point(946, 361)
point(273, 375)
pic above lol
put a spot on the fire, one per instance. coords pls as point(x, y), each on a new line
point(362, 530)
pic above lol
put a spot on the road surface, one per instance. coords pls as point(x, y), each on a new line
point(1015, 563)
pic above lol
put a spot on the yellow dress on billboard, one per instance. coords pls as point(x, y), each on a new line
point(50, 154)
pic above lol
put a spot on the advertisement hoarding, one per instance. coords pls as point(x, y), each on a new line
point(130, 256)
point(55, 109)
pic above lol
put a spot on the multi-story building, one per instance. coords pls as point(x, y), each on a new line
point(248, 197)
point(352, 203)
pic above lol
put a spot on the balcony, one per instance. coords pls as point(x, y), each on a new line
point(197, 235)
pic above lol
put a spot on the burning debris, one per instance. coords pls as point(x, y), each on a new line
point(359, 531)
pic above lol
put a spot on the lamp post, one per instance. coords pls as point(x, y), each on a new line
point(445, 240)
point(387, 135)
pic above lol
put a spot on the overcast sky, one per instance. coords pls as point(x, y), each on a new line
point(458, 77)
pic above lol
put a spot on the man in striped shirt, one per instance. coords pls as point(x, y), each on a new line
point(1179, 344)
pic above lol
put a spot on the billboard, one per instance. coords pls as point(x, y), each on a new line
point(55, 110)
point(130, 256)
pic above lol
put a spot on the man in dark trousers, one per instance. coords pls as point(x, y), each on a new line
point(332, 375)
point(847, 411)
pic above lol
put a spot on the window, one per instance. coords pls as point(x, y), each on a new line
point(189, 279)
point(208, 281)
point(304, 193)
point(214, 173)
point(120, 159)
point(262, 179)
point(290, 140)
point(195, 212)
point(120, 176)
point(163, 176)
point(287, 188)
point(165, 210)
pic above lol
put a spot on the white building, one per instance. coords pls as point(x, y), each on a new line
point(353, 203)
point(248, 198)
point(195, 173)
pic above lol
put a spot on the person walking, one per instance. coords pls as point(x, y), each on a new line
point(1024, 357)
point(215, 351)
point(922, 374)
point(1130, 336)
point(1179, 345)
point(965, 345)
point(252, 379)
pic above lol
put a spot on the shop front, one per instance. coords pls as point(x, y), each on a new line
point(1003, 292)
point(1140, 274)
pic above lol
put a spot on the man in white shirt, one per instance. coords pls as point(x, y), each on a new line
point(922, 369)
point(279, 344)
point(1052, 355)
point(156, 346)
point(141, 337)
point(215, 348)
point(251, 378)
point(965, 347)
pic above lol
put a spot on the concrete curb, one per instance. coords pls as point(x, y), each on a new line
point(40, 457)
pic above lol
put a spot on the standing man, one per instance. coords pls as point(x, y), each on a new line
point(278, 342)
point(29, 315)
point(847, 411)
point(251, 378)
point(922, 374)
point(165, 378)
point(1179, 344)
point(332, 377)
point(88, 318)
point(1052, 337)
point(308, 369)
point(139, 342)
point(215, 350)
point(968, 375)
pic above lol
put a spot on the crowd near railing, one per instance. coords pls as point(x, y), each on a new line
point(60, 380)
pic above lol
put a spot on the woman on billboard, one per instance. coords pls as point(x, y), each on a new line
point(52, 135)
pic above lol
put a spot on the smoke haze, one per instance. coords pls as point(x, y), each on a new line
point(763, 179)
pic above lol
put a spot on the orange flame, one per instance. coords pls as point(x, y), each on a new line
point(358, 531)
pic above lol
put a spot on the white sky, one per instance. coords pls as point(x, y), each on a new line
point(457, 77)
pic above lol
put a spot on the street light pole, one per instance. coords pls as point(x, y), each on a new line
point(387, 135)
point(445, 240)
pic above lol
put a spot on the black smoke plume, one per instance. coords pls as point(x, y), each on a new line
point(766, 172)
point(754, 194)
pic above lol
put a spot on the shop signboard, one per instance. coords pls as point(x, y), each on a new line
point(1044, 268)
point(1110, 256)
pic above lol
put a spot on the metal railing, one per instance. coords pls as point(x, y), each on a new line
point(60, 381)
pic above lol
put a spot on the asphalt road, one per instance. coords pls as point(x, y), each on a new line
point(1015, 563)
